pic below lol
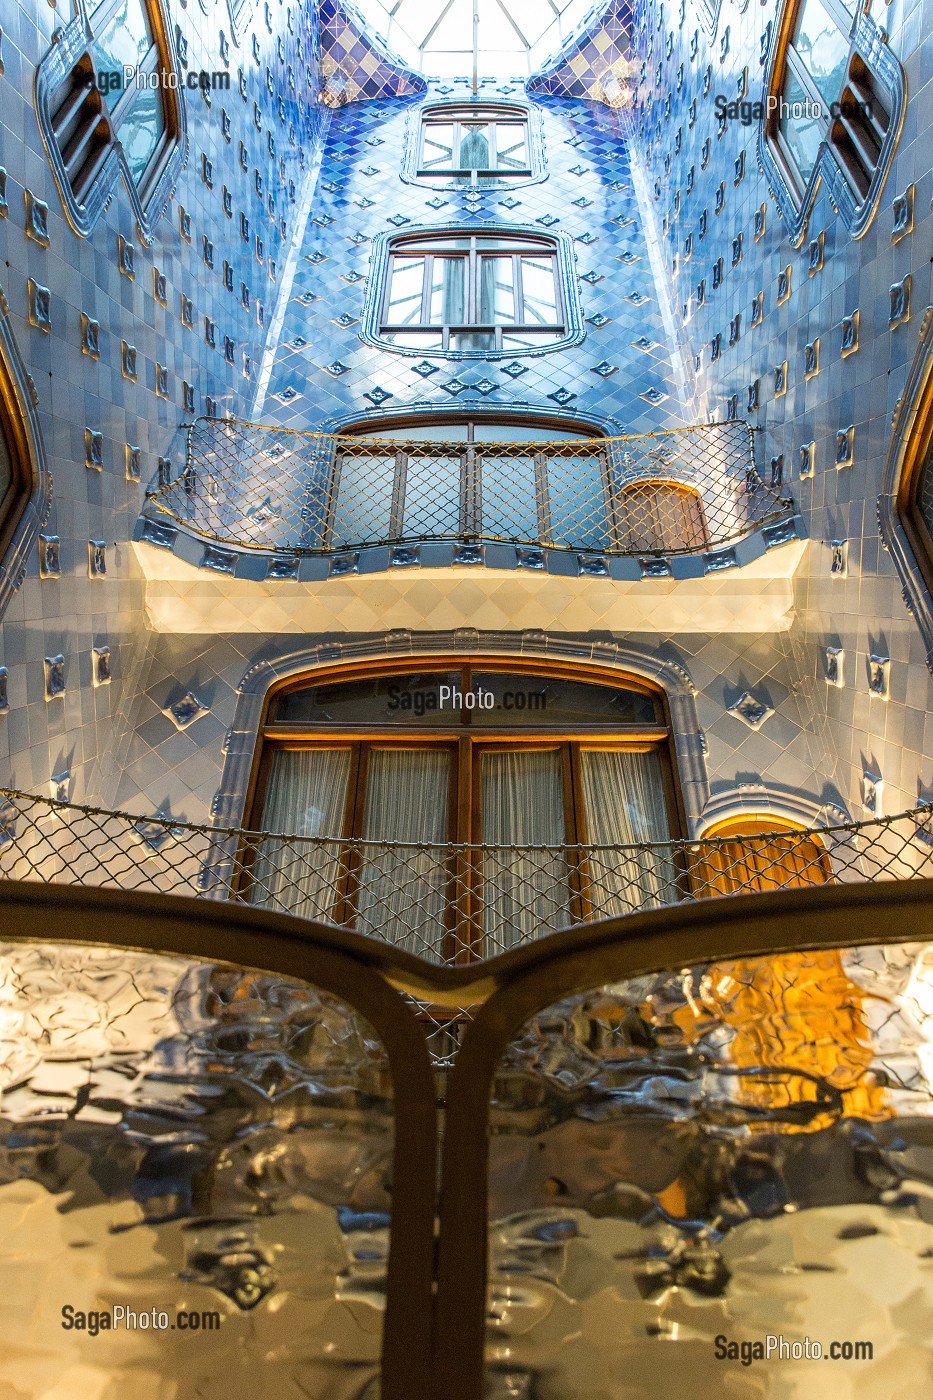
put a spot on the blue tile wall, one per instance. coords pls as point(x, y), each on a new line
point(775, 304)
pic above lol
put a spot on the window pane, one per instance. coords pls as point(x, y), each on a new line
point(448, 281)
point(803, 137)
point(822, 47)
point(141, 130)
point(532, 700)
point(540, 291)
point(373, 700)
point(438, 151)
point(420, 340)
point(521, 340)
point(473, 340)
point(402, 893)
point(497, 291)
point(123, 44)
point(511, 146)
point(474, 146)
point(404, 306)
point(522, 805)
point(6, 468)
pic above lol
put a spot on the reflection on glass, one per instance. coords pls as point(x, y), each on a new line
point(184, 1136)
point(540, 291)
point(377, 700)
point(438, 147)
point(405, 291)
point(497, 291)
point(823, 47)
point(474, 146)
point(141, 131)
point(122, 45)
point(448, 290)
point(742, 1148)
point(803, 136)
point(512, 148)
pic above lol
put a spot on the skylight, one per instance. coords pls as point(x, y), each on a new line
point(474, 38)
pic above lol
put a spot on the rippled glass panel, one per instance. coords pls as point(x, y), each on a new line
point(204, 1147)
point(685, 1164)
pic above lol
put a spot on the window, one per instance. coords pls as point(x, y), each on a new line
point(788, 861)
point(837, 91)
point(473, 293)
point(104, 100)
point(15, 477)
point(659, 516)
point(526, 481)
point(915, 500)
point(483, 753)
point(474, 145)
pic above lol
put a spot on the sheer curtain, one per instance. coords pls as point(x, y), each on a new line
point(305, 796)
point(623, 794)
point(402, 894)
point(524, 893)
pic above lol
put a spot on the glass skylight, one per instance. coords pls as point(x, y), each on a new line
point(474, 38)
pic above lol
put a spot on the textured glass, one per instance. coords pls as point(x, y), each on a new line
point(184, 1137)
point(123, 44)
point(737, 1150)
point(474, 146)
point(823, 48)
point(802, 134)
point(497, 291)
point(142, 130)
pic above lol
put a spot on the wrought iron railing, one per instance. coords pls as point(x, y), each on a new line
point(450, 904)
point(677, 492)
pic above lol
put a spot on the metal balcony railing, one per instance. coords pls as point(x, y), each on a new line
point(449, 904)
point(677, 492)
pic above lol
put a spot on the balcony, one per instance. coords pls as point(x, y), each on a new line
point(618, 521)
point(451, 904)
point(685, 491)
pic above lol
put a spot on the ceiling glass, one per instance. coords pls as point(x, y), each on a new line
point(493, 38)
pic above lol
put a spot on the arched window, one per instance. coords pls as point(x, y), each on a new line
point(104, 93)
point(474, 144)
point(662, 516)
point(464, 291)
point(746, 863)
point(915, 503)
point(526, 773)
point(834, 88)
point(15, 472)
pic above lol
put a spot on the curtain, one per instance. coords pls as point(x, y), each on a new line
point(474, 148)
point(623, 797)
point(305, 796)
point(402, 894)
point(524, 893)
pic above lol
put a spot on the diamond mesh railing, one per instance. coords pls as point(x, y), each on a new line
point(447, 903)
point(676, 492)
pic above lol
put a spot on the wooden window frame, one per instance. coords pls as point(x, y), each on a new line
point(441, 244)
point(16, 497)
point(468, 740)
point(841, 134)
point(458, 115)
point(85, 134)
point(918, 461)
